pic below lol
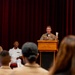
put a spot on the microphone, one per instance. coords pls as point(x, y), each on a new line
point(47, 35)
point(47, 38)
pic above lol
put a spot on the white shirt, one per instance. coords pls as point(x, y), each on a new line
point(15, 53)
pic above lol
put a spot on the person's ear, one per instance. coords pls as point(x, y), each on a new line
point(37, 55)
point(24, 59)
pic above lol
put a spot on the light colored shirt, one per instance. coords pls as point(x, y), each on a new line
point(15, 53)
point(30, 69)
point(5, 70)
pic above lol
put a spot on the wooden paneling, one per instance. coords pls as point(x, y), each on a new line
point(47, 45)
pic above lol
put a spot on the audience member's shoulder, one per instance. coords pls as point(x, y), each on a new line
point(18, 69)
point(6, 71)
point(10, 49)
point(19, 49)
point(44, 71)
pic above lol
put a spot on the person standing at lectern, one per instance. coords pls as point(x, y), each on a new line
point(48, 35)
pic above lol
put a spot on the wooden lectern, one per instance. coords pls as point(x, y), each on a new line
point(47, 46)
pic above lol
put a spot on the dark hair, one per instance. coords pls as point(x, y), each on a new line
point(4, 53)
point(5, 58)
point(30, 50)
point(65, 59)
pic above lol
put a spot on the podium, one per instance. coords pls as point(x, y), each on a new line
point(47, 46)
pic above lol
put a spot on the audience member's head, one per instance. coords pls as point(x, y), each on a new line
point(5, 58)
point(1, 49)
point(30, 51)
point(16, 44)
point(65, 60)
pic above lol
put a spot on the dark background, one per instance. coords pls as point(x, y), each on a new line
point(26, 20)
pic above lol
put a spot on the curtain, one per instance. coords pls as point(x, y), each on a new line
point(26, 20)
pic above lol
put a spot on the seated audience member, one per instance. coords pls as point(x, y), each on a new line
point(48, 35)
point(65, 59)
point(16, 54)
point(1, 49)
point(30, 53)
point(5, 59)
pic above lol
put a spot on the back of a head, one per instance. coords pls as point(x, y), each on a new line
point(65, 59)
point(1, 49)
point(30, 51)
point(5, 58)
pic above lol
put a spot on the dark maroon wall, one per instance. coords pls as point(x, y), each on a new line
point(25, 20)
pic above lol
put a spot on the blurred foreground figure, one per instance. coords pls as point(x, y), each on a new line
point(30, 54)
point(5, 59)
point(65, 60)
point(1, 49)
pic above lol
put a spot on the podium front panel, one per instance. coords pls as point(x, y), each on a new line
point(47, 46)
